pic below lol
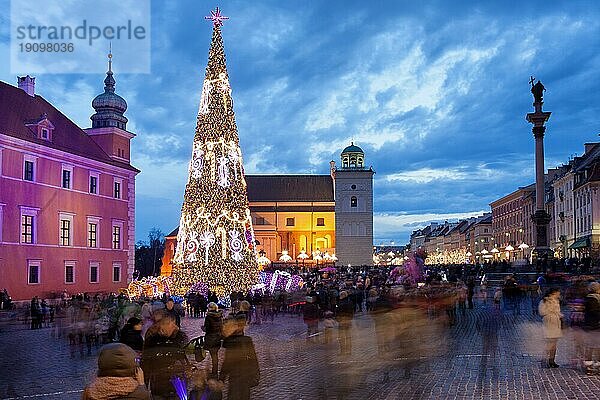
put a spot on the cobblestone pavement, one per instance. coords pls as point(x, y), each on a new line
point(487, 354)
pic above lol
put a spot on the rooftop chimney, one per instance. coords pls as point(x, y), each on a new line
point(589, 147)
point(27, 83)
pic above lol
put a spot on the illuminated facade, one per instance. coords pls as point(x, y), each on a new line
point(303, 214)
point(67, 195)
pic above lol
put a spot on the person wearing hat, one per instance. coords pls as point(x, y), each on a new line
point(119, 377)
point(131, 334)
point(213, 326)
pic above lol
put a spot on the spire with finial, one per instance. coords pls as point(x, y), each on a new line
point(109, 81)
point(109, 106)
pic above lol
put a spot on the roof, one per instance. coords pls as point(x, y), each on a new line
point(290, 188)
point(281, 188)
point(352, 149)
point(17, 108)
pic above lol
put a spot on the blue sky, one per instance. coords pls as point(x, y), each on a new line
point(435, 92)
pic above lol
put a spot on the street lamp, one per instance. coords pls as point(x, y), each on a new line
point(508, 249)
point(303, 256)
point(495, 251)
point(523, 246)
point(285, 257)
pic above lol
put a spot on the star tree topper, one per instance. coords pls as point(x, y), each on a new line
point(216, 17)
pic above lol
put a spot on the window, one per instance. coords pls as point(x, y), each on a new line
point(353, 201)
point(44, 133)
point(27, 229)
point(260, 221)
point(66, 179)
point(67, 173)
point(116, 237)
point(28, 224)
point(93, 184)
point(65, 232)
point(65, 229)
point(117, 190)
point(69, 272)
point(33, 272)
point(290, 221)
point(92, 234)
point(116, 273)
point(320, 221)
point(28, 171)
point(94, 266)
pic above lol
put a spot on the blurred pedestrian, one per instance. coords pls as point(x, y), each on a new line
point(592, 330)
point(549, 310)
point(119, 377)
point(240, 366)
point(163, 356)
point(213, 326)
point(311, 317)
point(345, 315)
point(131, 334)
point(175, 311)
point(329, 324)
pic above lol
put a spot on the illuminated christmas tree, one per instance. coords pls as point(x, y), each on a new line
point(215, 244)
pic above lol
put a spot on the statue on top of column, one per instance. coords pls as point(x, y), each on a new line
point(538, 90)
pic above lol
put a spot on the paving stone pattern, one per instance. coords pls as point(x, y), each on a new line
point(487, 354)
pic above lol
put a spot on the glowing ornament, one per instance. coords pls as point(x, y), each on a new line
point(205, 97)
point(207, 239)
point(197, 161)
point(234, 157)
point(192, 246)
point(235, 245)
point(223, 172)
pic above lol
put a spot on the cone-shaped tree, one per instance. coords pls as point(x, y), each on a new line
point(215, 244)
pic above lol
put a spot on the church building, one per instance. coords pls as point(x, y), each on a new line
point(310, 217)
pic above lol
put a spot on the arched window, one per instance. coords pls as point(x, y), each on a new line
point(353, 162)
point(353, 201)
point(360, 162)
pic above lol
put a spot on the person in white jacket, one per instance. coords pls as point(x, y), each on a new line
point(549, 310)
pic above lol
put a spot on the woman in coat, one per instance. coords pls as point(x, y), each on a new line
point(213, 326)
point(549, 310)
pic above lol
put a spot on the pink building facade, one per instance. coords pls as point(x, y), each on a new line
point(67, 196)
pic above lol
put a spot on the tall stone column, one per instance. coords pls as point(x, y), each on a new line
point(540, 217)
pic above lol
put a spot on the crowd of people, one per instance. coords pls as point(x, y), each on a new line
point(140, 342)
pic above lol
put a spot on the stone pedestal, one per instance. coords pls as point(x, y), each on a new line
point(541, 250)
